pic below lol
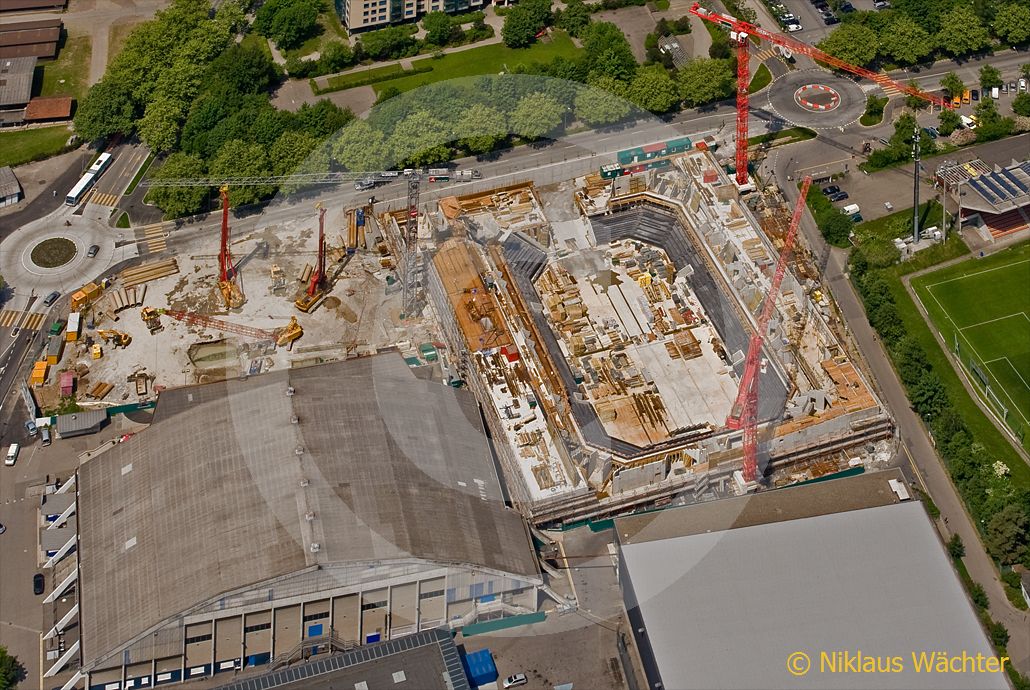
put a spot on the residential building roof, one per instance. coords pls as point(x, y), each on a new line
point(242, 481)
point(9, 185)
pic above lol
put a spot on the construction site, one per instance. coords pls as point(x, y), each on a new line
point(607, 325)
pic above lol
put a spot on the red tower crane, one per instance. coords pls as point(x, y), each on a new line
point(745, 408)
point(317, 283)
point(742, 31)
point(228, 282)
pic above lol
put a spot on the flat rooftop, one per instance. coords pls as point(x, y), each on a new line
point(727, 591)
point(216, 494)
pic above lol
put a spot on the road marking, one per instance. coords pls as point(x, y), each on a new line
point(10, 318)
point(152, 238)
point(976, 273)
point(103, 199)
point(1000, 318)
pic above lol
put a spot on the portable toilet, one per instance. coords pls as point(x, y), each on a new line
point(74, 324)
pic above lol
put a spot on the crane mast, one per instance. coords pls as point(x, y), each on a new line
point(742, 31)
point(744, 413)
point(228, 281)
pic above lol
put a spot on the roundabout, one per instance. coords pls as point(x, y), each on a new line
point(53, 252)
point(816, 99)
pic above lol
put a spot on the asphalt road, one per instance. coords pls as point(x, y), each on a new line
point(46, 202)
point(917, 448)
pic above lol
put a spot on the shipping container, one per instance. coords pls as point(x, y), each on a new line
point(74, 324)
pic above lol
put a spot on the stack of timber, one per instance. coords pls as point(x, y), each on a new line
point(131, 277)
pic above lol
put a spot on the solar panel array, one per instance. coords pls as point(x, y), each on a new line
point(1004, 186)
point(338, 662)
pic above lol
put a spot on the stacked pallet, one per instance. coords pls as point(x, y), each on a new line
point(683, 345)
point(144, 273)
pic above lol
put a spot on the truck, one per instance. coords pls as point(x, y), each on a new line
point(850, 209)
point(471, 174)
point(56, 327)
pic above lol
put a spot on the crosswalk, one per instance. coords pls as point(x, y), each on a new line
point(889, 89)
point(102, 198)
point(765, 54)
point(151, 238)
point(10, 318)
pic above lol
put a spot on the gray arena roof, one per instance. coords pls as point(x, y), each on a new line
point(235, 481)
point(16, 80)
point(726, 608)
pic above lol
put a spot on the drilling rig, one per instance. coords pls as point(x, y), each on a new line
point(318, 284)
point(228, 277)
point(744, 413)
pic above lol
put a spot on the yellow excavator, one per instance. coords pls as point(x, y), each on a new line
point(119, 338)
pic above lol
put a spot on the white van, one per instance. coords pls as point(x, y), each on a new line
point(850, 209)
point(968, 121)
point(995, 93)
point(12, 455)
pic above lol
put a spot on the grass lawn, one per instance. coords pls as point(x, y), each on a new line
point(762, 79)
point(982, 305)
point(30, 145)
point(139, 174)
point(68, 74)
point(329, 29)
point(979, 425)
point(360, 77)
point(661, 5)
point(792, 134)
point(489, 59)
point(123, 221)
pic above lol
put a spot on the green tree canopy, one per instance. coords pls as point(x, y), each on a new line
point(1021, 104)
point(520, 27)
point(608, 52)
point(245, 68)
point(951, 83)
point(948, 122)
point(11, 670)
point(535, 116)
point(107, 109)
point(391, 42)
point(159, 128)
point(421, 139)
point(291, 150)
point(903, 41)
point(480, 128)
point(653, 89)
point(990, 124)
point(287, 22)
point(1007, 534)
point(360, 146)
point(178, 201)
point(1012, 23)
point(852, 43)
point(602, 102)
point(962, 32)
point(440, 28)
point(990, 77)
point(704, 80)
point(574, 18)
point(837, 228)
point(239, 158)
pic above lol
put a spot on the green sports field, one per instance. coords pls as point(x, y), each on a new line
point(982, 309)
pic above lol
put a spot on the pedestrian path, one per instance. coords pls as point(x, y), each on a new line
point(12, 318)
point(151, 238)
point(101, 198)
point(765, 54)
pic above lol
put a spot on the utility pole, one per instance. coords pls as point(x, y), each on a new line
point(915, 186)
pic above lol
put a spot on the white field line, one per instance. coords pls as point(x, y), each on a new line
point(1000, 318)
point(976, 273)
point(1007, 394)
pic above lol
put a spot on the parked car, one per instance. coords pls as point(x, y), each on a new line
point(1012, 86)
point(846, 7)
point(30, 426)
point(1022, 84)
point(832, 189)
point(515, 681)
point(2, 528)
point(794, 28)
point(44, 434)
point(881, 5)
point(975, 95)
point(933, 132)
point(856, 217)
point(1004, 87)
point(821, 6)
point(830, 20)
point(38, 584)
point(93, 250)
point(788, 18)
point(51, 298)
point(839, 196)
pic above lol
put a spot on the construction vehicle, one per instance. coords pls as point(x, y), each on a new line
point(97, 351)
point(228, 275)
point(119, 338)
point(281, 336)
point(152, 318)
point(744, 414)
point(742, 32)
point(317, 283)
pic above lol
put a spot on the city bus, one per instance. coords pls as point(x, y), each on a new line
point(90, 177)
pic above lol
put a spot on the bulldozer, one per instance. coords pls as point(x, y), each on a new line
point(118, 338)
point(289, 332)
point(151, 317)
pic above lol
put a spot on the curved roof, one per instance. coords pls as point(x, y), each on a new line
point(236, 482)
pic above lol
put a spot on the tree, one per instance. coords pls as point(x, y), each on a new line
point(951, 83)
point(1021, 104)
point(852, 43)
point(440, 28)
point(421, 139)
point(990, 77)
point(334, 57)
point(837, 228)
point(962, 32)
point(245, 68)
point(239, 158)
point(291, 151)
point(1024, 69)
point(1007, 534)
point(574, 18)
point(602, 102)
point(391, 42)
point(159, 127)
point(990, 125)
point(704, 80)
point(520, 27)
point(106, 110)
point(1012, 23)
point(535, 116)
point(11, 670)
point(323, 118)
point(608, 52)
point(915, 102)
point(998, 632)
point(294, 24)
point(178, 201)
point(904, 42)
point(480, 128)
point(977, 594)
point(653, 89)
point(540, 10)
point(360, 146)
point(955, 547)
